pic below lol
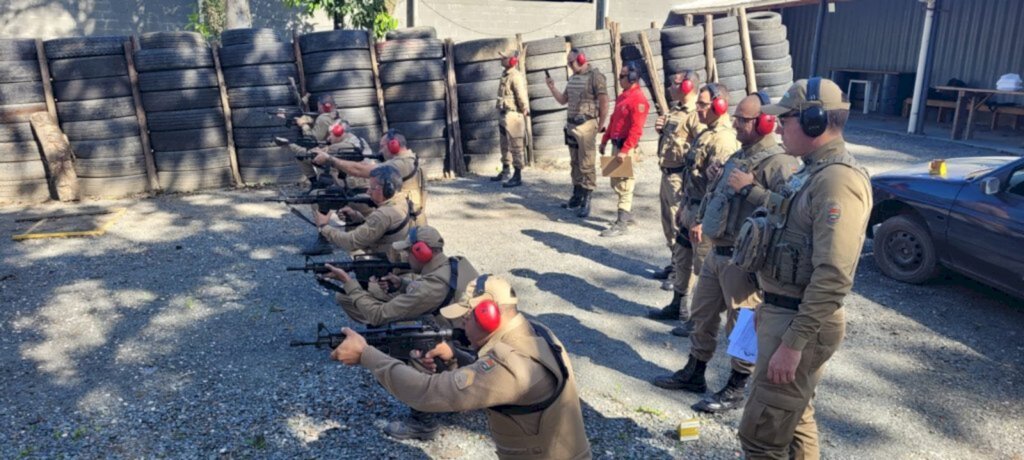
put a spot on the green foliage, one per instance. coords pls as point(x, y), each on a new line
point(208, 19)
point(371, 15)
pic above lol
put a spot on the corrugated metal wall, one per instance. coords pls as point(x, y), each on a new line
point(977, 40)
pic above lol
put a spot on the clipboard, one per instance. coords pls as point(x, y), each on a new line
point(611, 166)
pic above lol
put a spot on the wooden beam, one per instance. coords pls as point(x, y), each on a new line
point(302, 74)
point(688, 20)
point(709, 48)
point(658, 91)
point(456, 162)
point(236, 176)
point(748, 57)
point(44, 72)
point(140, 115)
point(616, 42)
point(530, 156)
point(376, 83)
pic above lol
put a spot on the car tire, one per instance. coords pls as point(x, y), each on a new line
point(169, 80)
point(412, 32)
point(333, 40)
point(96, 88)
point(88, 67)
point(904, 250)
point(545, 46)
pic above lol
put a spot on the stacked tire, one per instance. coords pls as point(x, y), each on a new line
point(729, 58)
point(257, 65)
point(97, 112)
point(181, 96)
point(546, 115)
point(22, 174)
point(337, 62)
point(412, 73)
point(682, 49)
point(478, 71)
point(632, 50)
point(773, 65)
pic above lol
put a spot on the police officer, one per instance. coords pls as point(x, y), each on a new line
point(318, 129)
point(513, 107)
point(722, 286)
point(522, 378)
point(624, 131)
point(678, 129)
point(395, 150)
point(807, 271)
point(388, 223)
point(715, 144)
point(587, 97)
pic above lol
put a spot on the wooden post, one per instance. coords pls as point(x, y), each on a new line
point(652, 71)
point(456, 162)
point(58, 156)
point(377, 85)
point(688, 20)
point(304, 101)
point(709, 48)
point(568, 68)
point(616, 38)
point(530, 157)
point(236, 176)
point(147, 153)
point(748, 57)
point(44, 72)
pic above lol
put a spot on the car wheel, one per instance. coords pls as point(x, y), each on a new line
point(904, 250)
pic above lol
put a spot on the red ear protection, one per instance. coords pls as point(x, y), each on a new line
point(513, 60)
point(419, 250)
point(393, 145)
point(487, 313)
point(327, 107)
point(581, 58)
point(719, 105)
point(686, 86)
point(765, 122)
point(338, 130)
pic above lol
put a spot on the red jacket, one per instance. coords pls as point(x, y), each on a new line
point(627, 123)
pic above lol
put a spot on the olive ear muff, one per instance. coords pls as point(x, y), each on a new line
point(686, 86)
point(719, 105)
point(634, 72)
point(813, 119)
point(393, 145)
point(765, 122)
point(486, 312)
point(419, 250)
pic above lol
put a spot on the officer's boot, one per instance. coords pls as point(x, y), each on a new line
point(577, 196)
point(619, 227)
point(516, 180)
point(684, 330)
point(418, 425)
point(584, 210)
point(689, 378)
point(664, 273)
point(320, 247)
point(668, 312)
point(503, 175)
point(628, 216)
point(728, 398)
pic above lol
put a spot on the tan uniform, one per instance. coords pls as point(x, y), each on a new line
point(682, 125)
point(723, 286)
point(513, 102)
point(808, 272)
point(347, 142)
point(413, 183)
point(715, 144)
point(516, 367)
point(582, 92)
point(385, 225)
point(318, 130)
point(423, 295)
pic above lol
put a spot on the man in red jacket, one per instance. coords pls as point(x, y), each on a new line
point(624, 130)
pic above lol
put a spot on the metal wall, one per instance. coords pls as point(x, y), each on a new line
point(977, 40)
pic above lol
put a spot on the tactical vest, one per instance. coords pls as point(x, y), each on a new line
point(506, 92)
point(673, 145)
point(719, 208)
point(582, 101)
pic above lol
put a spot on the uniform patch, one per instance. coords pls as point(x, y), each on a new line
point(642, 107)
point(412, 286)
point(834, 212)
point(487, 364)
point(463, 379)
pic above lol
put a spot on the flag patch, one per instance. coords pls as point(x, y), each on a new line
point(833, 214)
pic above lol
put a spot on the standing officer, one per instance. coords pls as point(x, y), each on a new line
point(514, 107)
point(806, 272)
point(523, 377)
point(587, 96)
point(762, 166)
point(624, 131)
point(678, 129)
point(715, 144)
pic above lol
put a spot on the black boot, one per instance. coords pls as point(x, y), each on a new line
point(584, 210)
point(418, 425)
point(577, 196)
point(320, 247)
point(503, 175)
point(620, 226)
point(630, 221)
point(689, 378)
point(684, 330)
point(516, 180)
point(728, 398)
point(664, 273)
point(670, 311)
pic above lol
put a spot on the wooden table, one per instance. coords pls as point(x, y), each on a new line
point(970, 99)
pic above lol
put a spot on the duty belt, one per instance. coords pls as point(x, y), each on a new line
point(725, 251)
point(669, 171)
point(790, 303)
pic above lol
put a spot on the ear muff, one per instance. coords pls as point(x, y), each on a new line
point(581, 59)
point(686, 86)
point(813, 119)
point(383, 174)
point(719, 105)
point(486, 312)
point(765, 123)
point(393, 145)
point(514, 59)
point(419, 250)
point(338, 129)
point(633, 70)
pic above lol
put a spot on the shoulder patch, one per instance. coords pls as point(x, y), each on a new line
point(412, 287)
point(834, 213)
point(642, 107)
point(463, 378)
point(487, 363)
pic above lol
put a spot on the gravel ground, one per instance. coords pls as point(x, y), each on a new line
point(168, 336)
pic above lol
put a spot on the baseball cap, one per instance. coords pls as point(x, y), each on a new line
point(423, 233)
point(482, 288)
point(830, 97)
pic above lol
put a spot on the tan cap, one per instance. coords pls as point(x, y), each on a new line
point(483, 287)
point(830, 97)
point(423, 233)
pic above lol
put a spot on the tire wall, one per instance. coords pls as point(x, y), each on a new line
point(22, 174)
point(547, 118)
point(478, 63)
point(632, 50)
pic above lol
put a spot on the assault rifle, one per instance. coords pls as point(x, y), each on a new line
point(398, 339)
point(365, 267)
point(350, 153)
point(331, 199)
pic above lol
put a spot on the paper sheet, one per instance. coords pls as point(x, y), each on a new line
point(743, 340)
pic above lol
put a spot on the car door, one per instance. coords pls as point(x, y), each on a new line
point(986, 232)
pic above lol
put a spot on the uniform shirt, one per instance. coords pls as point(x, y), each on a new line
point(682, 125)
point(515, 367)
point(830, 213)
point(412, 179)
point(627, 123)
point(582, 92)
point(322, 125)
point(421, 296)
point(370, 236)
point(512, 95)
point(712, 148)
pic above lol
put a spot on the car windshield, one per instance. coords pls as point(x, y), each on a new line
point(973, 174)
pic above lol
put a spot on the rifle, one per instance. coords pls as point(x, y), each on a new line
point(365, 267)
point(332, 199)
point(398, 339)
point(349, 153)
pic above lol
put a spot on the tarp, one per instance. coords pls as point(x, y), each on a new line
point(717, 6)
